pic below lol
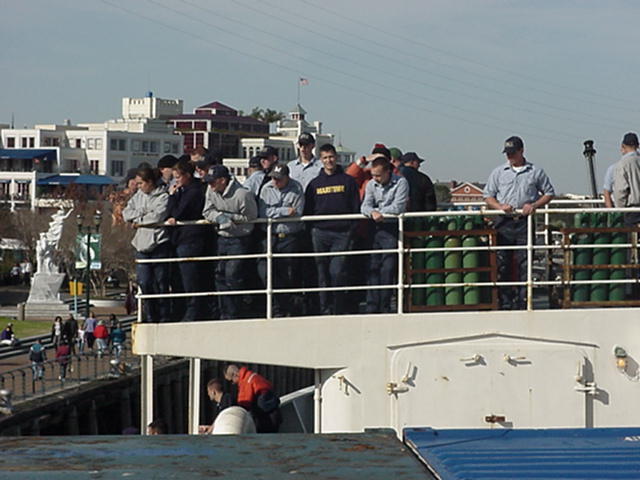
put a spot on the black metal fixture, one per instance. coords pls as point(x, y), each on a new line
point(88, 230)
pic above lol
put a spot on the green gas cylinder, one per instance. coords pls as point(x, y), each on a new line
point(582, 256)
point(418, 295)
point(453, 259)
point(470, 259)
point(435, 260)
point(618, 257)
point(601, 256)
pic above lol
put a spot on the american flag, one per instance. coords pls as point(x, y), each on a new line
point(304, 81)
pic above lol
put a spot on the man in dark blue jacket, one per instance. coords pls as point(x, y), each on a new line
point(331, 192)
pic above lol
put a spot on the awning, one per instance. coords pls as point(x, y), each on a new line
point(79, 179)
point(28, 153)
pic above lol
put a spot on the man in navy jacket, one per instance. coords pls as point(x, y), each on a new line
point(331, 192)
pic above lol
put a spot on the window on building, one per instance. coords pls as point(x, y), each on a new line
point(78, 143)
point(74, 165)
point(91, 144)
point(244, 152)
point(145, 145)
point(11, 142)
point(24, 142)
point(122, 144)
point(153, 147)
point(199, 139)
point(32, 142)
point(113, 144)
point(166, 147)
point(117, 168)
point(55, 141)
point(94, 165)
point(200, 126)
point(135, 145)
point(183, 125)
point(98, 144)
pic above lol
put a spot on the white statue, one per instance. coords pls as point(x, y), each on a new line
point(48, 243)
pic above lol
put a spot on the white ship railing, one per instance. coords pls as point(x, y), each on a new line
point(401, 287)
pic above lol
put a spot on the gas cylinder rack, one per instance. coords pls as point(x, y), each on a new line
point(453, 263)
point(591, 252)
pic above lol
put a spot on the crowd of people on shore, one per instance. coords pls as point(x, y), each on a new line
point(69, 339)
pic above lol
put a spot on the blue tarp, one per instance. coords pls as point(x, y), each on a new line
point(28, 153)
point(79, 179)
point(595, 453)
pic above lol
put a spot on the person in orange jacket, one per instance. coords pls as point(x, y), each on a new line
point(255, 394)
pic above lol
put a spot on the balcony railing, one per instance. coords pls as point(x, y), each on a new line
point(553, 264)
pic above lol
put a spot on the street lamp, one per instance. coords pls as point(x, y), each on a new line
point(88, 230)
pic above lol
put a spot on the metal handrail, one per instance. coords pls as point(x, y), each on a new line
point(79, 366)
point(401, 250)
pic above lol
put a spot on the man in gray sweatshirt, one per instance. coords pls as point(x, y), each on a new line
point(626, 178)
point(229, 206)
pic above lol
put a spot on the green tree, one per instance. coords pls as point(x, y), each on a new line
point(268, 115)
point(443, 194)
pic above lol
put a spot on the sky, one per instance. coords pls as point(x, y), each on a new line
point(450, 80)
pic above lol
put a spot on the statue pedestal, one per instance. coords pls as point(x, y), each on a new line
point(43, 298)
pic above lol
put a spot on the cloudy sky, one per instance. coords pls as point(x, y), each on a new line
point(447, 79)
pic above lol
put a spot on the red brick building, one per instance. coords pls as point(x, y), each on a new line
point(217, 126)
point(466, 192)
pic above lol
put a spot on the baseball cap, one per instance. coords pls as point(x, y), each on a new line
point(630, 139)
point(254, 162)
point(410, 157)
point(382, 149)
point(306, 139)
point(168, 161)
point(267, 151)
point(279, 171)
point(215, 172)
point(512, 145)
point(395, 152)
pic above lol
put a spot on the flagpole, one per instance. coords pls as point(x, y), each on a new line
point(298, 103)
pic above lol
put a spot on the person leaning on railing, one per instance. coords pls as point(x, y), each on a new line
point(229, 206)
point(186, 201)
point(516, 185)
point(150, 205)
point(281, 198)
point(386, 194)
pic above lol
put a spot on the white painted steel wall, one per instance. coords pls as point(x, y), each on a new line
point(360, 355)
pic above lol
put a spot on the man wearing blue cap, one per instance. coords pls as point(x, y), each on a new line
point(230, 207)
point(515, 185)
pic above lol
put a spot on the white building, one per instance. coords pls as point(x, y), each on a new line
point(106, 148)
point(286, 136)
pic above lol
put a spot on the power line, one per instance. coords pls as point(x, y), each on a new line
point(341, 72)
point(341, 85)
point(582, 117)
point(526, 77)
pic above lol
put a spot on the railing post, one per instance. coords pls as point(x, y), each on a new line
point(400, 263)
point(146, 392)
point(139, 301)
point(530, 240)
point(194, 395)
point(269, 271)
